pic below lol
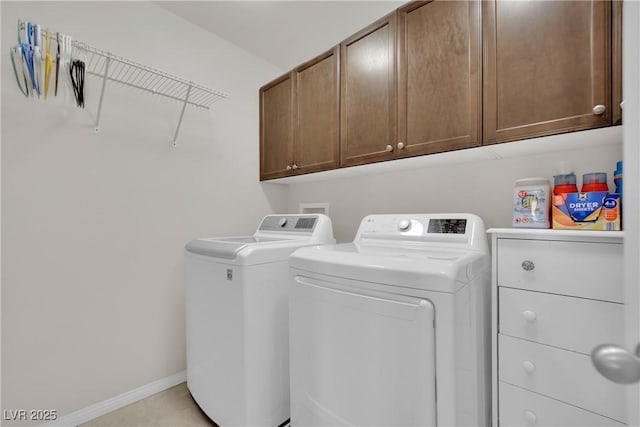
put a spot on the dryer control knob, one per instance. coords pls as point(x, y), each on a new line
point(404, 225)
point(282, 222)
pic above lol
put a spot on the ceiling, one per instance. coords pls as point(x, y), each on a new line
point(284, 33)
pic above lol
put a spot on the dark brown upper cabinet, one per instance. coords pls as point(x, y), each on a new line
point(425, 99)
point(276, 128)
point(443, 75)
point(317, 113)
point(616, 63)
point(299, 116)
point(368, 94)
point(439, 77)
point(547, 68)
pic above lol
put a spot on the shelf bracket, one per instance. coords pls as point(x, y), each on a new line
point(184, 106)
point(104, 84)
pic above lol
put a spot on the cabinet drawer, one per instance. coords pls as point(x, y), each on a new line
point(560, 374)
point(520, 407)
point(589, 270)
point(573, 323)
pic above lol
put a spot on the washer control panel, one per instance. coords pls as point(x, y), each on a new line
point(447, 225)
point(289, 223)
point(457, 229)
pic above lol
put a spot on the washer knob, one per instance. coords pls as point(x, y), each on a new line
point(282, 222)
point(404, 225)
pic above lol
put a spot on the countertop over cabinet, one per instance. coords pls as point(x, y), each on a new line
point(556, 295)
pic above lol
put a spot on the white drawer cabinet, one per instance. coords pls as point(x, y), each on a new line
point(520, 407)
point(584, 269)
point(543, 318)
point(564, 375)
point(556, 296)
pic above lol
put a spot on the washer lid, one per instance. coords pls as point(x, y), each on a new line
point(225, 247)
point(274, 240)
point(436, 269)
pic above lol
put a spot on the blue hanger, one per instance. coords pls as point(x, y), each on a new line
point(27, 56)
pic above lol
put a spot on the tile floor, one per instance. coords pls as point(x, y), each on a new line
point(173, 407)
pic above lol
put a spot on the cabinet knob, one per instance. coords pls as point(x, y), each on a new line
point(529, 315)
point(530, 417)
point(288, 167)
point(294, 167)
point(529, 367)
point(389, 148)
point(400, 145)
point(528, 265)
point(599, 109)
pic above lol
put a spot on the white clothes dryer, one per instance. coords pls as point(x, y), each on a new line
point(237, 332)
point(393, 329)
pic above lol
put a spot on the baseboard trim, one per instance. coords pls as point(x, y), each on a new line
point(90, 412)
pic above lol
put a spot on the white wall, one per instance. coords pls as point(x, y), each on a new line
point(93, 225)
point(479, 181)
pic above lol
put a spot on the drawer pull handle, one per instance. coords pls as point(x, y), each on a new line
point(530, 417)
point(529, 316)
point(529, 367)
point(528, 265)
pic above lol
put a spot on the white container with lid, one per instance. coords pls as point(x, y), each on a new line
point(531, 203)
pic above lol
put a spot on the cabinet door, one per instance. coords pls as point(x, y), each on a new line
point(368, 97)
point(276, 128)
point(547, 64)
point(317, 113)
point(439, 77)
point(616, 60)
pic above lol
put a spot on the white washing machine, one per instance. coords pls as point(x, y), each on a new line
point(237, 319)
point(393, 329)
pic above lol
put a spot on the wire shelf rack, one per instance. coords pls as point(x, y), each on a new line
point(114, 68)
point(123, 71)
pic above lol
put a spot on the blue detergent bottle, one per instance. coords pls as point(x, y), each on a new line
point(617, 178)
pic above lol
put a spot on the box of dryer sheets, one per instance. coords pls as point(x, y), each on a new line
point(596, 210)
